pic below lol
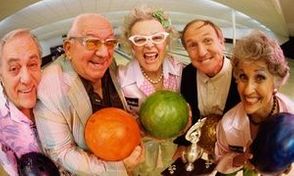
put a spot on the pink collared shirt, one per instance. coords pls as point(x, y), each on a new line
point(17, 135)
point(234, 130)
point(136, 87)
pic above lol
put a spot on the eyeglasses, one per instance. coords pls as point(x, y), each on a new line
point(140, 40)
point(94, 44)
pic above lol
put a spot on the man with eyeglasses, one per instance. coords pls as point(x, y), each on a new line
point(73, 87)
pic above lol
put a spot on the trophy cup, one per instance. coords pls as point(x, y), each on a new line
point(194, 151)
point(202, 136)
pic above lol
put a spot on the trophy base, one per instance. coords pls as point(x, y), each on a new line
point(178, 168)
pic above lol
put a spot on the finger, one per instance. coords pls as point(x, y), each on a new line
point(137, 152)
point(248, 155)
point(241, 159)
point(190, 111)
point(250, 166)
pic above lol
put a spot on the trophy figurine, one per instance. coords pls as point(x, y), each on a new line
point(194, 151)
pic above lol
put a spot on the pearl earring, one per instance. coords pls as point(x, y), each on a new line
point(275, 91)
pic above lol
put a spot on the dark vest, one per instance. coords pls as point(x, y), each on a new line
point(189, 92)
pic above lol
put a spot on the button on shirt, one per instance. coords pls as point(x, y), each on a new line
point(110, 95)
point(213, 92)
point(17, 135)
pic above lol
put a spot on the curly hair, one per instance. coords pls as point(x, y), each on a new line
point(143, 13)
point(258, 46)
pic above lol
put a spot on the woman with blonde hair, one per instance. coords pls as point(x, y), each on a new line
point(147, 33)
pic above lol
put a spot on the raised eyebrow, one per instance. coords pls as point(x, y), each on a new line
point(189, 41)
point(91, 36)
point(156, 33)
point(260, 69)
point(34, 56)
point(110, 36)
point(111, 39)
point(207, 37)
point(139, 35)
point(241, 70)
point(206, 34)
point(12, 60)
point(142, 35)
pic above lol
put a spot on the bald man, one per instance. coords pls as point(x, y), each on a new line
point(77, 84)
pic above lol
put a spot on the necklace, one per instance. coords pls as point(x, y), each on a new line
point(269, 115)
point(149, 79)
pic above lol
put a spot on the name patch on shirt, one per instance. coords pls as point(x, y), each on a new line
point(238, 149)
point(132, 101)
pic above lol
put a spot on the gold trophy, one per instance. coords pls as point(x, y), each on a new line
point(194, 151)
point(202, 135)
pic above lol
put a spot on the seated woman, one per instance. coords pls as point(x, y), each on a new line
point(20, 74)
point(260, 69)
point(147, 33)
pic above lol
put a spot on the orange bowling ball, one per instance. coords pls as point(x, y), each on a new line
point(112, 134)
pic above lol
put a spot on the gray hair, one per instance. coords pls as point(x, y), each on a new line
point(75, 27)
point(17, 32)
point(258, 46)
point(146, 13)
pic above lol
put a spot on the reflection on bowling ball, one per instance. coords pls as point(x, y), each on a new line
point(36, 164)
point(112, 134)
point(208, 133)
point(273, 147)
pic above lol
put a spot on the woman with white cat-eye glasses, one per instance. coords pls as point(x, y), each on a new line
point(147, 34)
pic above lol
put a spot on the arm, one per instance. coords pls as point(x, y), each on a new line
point(221, 145)
point(57, 139)
point(60, 126)
point(223, 154)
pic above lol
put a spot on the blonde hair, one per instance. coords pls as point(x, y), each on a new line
point(258, 46)
point(143, 13)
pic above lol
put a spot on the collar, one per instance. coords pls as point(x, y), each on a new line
point(87, 84)
point(16, 115)
point(70, 75)
point(3, 103)
point(133, 74)
point(226, 65)
point(6, 107)
point(240, 120)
